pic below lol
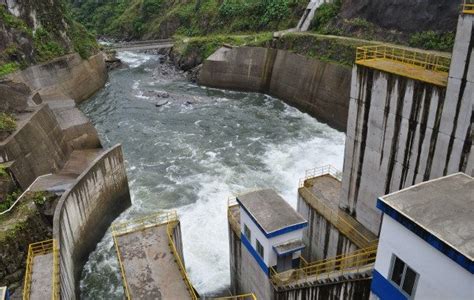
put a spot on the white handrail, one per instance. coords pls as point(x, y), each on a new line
point(21, 196)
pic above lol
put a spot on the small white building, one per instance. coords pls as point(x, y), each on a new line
point(271, 230)
point(426, 245)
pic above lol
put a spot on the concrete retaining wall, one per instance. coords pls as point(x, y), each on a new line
point(321, 238)
point(318, 88)
point(69, 75)
point(37, 146)
point(402, 131)
point(84, 213)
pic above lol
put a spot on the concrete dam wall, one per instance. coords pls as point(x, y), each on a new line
point(403, 131)
point(68, 75)
point(316, 87)
point(84, 213)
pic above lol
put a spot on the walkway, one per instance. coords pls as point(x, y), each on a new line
point(415, 64)
point(42, 277)
point(321, 190)
point(148, 263)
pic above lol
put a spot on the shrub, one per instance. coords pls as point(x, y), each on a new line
point(324, 14)
point(7, 122)
point(8, 68)
point(45, 46)
point(432, 40)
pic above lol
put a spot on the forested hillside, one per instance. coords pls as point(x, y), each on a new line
point(36, 31)
point(133, 19)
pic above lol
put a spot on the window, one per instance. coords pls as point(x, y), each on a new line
point(403, 276)
point(247, 233)
point(260, 249)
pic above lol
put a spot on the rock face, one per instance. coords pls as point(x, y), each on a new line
point(405, 15)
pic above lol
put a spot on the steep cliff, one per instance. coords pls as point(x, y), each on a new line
point(34, 31)
point(405, 15)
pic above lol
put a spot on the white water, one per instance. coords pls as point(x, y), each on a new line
point(192, 157)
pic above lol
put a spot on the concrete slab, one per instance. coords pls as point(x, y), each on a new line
point(42, 277)
point(80, 160)
point(327, 189)
point(444, 207)
point(149, 265)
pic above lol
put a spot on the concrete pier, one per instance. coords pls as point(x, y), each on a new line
point(149, 251)
point(403, 130)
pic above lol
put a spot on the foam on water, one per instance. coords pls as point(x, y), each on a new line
point(193, 157)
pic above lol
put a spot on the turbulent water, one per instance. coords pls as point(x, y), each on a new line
point(192, 154)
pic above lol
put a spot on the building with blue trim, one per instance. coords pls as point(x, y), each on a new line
point(426, 243)
point(271, 234)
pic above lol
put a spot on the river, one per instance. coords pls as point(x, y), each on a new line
point(192, 154)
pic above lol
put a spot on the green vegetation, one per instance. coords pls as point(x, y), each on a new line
point(3, 171)
point(46, 46)
point(7, 122)
point(324, 15)
point(205, 46)
point(160, 18)
point(13, 22)
point(322, 47)
point(8, 68)
point(10, 199)
point(83, 41)
point(39, 198)
point(433, 40)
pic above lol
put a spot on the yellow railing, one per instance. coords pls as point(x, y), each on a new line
point(320, 171)
point(143, 223)
point(337, 219)
point(428, 61)
point(238, 297)
point(135, 225)
point(468, 7)
point(42, 248)
point(177, 256)
point(352, 262)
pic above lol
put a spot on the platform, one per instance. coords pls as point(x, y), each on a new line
point(321, 190)
point(148, 261)
point(415, 64)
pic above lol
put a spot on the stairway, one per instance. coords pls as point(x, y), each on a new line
point(308, 14)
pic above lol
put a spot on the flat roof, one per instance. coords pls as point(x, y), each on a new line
point(443, 207)
point(270, 211)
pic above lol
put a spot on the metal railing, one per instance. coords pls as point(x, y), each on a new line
point(320, 171)
point(338, 219)
point(182, 269)
point(427, 61)
point(135, 225)
point(468, 7)
point(42, 248)
point(238, 297)
point(143, 222)
point(336, 266)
